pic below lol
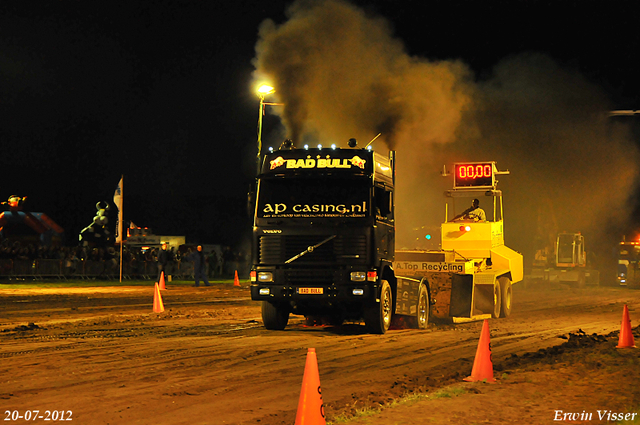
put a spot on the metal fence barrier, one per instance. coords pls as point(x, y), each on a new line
point(6, 268)
point(90, 269)
point(106, 269)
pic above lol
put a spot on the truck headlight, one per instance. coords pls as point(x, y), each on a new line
point(264, 291)
point(265, 277)
point(357, 291)
point(358, 276)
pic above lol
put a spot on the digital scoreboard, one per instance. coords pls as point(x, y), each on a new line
point(474, 174)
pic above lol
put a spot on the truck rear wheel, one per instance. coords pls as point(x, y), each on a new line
point(424, 307)
point(377, 316)
point(497, 300)
point(274, 316)
point(506, 294)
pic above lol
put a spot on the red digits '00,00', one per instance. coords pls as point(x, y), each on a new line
point(474, 171)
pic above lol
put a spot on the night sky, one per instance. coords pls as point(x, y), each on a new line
point(162, 93)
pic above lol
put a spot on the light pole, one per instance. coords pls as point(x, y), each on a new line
point(263, 90)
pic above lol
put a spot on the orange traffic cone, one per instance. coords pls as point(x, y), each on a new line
point(310, 406)
point(158, 307)
point(482, 365)
point(161, 283)
point(236, 281)
point(626, 336)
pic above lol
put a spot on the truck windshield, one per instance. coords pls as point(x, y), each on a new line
point(567, 249)
point(313, 198)
point(629, 252)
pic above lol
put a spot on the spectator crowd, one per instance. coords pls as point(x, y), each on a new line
point(134, 259)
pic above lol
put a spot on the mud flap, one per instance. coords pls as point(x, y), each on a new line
point(407, 296)
point(461, 295)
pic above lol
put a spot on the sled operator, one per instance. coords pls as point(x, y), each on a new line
point(474, 212)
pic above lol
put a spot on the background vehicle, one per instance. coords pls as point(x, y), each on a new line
point(628, 257)
point(566, 262)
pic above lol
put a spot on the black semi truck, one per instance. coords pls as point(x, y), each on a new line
point(323, 236)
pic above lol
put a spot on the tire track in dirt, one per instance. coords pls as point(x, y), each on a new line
point(206, 357)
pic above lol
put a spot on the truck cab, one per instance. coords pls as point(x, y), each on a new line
point(323, 235)
point(628, 273)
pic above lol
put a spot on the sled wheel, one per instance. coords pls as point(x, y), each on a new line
point(422, 315)
point(507, 294)
point(497, 300)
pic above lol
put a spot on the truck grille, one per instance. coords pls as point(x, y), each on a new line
point(310, 277)
point(276, 249)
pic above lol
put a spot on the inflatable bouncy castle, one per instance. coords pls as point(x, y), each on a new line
point(39, 222)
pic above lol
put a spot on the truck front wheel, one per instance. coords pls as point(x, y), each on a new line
point(377, 316)
point(274, 316)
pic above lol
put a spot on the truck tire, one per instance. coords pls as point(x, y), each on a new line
point(274, 316)
point(423, 310)
point(377, 316)
point(497, 300)
point(506, 294)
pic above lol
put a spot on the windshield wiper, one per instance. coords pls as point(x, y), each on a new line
point(309, 249)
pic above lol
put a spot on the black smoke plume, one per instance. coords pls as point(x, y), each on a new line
point(341, 73)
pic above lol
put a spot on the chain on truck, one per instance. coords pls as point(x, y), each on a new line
point(324, 245)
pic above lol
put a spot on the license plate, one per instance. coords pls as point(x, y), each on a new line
point(310, 291)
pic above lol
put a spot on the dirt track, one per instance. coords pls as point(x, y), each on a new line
point(104, 356)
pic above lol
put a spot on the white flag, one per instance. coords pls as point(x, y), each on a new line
point(117, 200)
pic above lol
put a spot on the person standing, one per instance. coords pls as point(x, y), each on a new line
point(199, 266)
point(213, 263)
point(163, 260)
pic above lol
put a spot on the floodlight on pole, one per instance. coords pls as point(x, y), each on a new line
point(263, 91)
